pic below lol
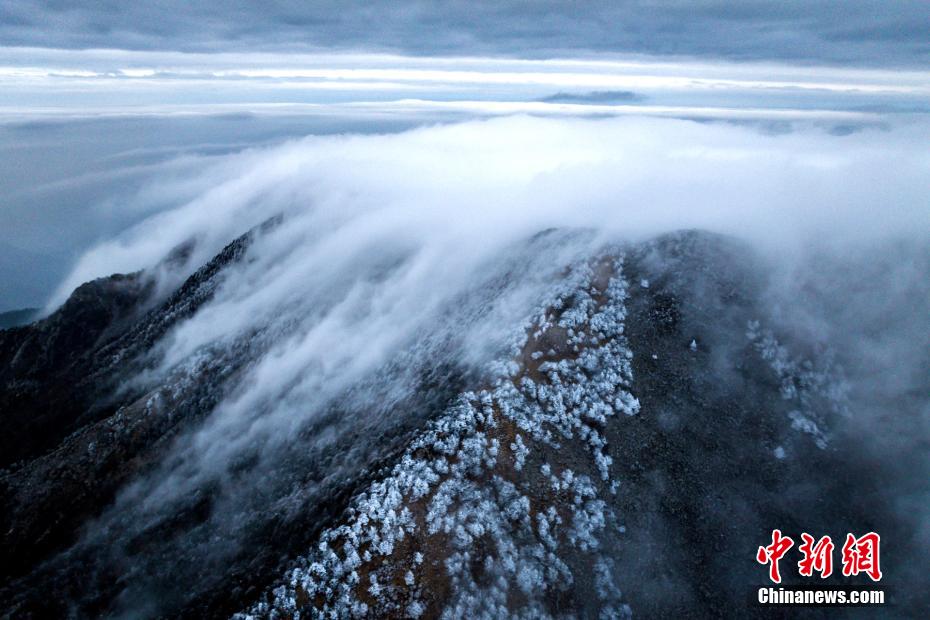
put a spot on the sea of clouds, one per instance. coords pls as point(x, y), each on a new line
point(396, 250)
point(466, 189)
point(381, 235)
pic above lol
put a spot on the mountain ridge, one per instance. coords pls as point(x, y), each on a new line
point(702, 427)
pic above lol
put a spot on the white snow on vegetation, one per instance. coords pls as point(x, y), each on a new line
point(454, 498)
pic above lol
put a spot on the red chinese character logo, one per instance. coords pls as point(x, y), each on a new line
point(817, 557)
point(860, 555)
point(773, 553)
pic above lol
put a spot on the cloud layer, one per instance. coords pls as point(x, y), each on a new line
point(865, 32)
point(81, 132)
point(398, 250)
point(478, 181)
point(381, 232)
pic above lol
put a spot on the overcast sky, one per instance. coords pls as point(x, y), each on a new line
point(102, 101)
point(861, 32)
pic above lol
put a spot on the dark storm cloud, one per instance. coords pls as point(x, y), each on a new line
point(870, 32)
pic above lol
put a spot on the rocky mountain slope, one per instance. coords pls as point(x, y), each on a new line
point(623, 448)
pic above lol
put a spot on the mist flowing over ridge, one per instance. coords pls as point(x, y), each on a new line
point(445, 310)
point(318, 338)
point(490, 182)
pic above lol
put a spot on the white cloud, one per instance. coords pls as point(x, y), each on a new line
point(388, 244)
point(507, 177)
point(381, 232)
point(44, 81)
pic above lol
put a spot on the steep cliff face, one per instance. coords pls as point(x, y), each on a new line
point(624, 448)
